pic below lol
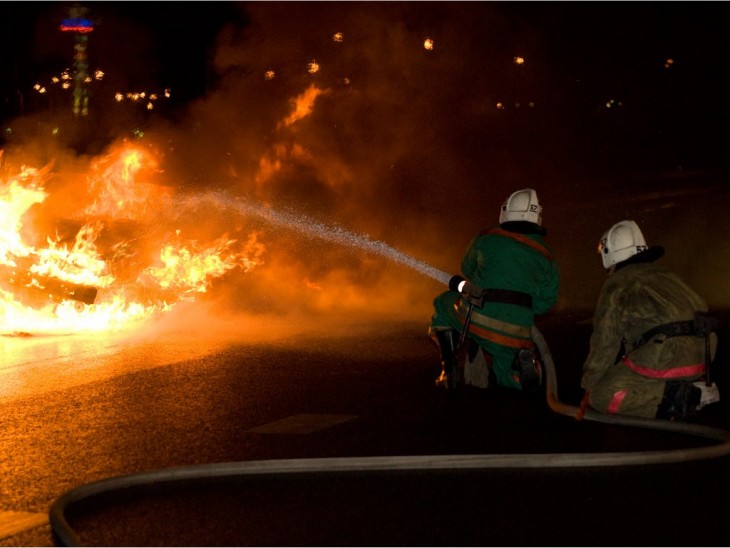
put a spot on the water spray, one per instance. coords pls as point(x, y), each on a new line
point(329, 233)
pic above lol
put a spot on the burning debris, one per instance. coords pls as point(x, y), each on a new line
point(103, 250)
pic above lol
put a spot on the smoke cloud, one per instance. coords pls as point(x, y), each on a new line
point(409, 124)
point(387, 139)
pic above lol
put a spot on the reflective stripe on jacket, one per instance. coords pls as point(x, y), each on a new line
point(492, 329)
point(633, 300)
point(676, 372)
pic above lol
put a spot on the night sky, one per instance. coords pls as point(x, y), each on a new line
point(411, 146)
point(579, 55)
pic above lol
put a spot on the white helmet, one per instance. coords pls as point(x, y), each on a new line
point(621, 241)
point(521, 206)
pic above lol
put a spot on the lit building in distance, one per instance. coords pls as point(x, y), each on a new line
point(81, 27)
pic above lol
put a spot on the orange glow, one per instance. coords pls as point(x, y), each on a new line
point(313, 66)
point(311, 285)
point(98, 251)
point(303, 104)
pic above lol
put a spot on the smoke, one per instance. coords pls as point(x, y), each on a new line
point(340, 113)
point(383, 140)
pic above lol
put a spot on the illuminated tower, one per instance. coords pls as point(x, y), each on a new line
point(81, 27)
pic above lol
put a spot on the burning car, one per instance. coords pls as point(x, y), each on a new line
point(36, 290)
point(105, 249)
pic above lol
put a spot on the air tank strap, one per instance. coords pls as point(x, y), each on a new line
point(671, 329)
point(700, 326)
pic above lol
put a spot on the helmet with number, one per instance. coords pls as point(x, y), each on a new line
point(622, 241)
point(521, 206)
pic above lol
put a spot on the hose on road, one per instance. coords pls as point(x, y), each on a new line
point(647, 457)
point(66, 536)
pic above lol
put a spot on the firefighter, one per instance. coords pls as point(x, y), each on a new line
point(511, 275)
point(652, 341)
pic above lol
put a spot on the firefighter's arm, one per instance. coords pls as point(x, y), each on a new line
point(548, 288)
point(470, 260)
point(605, 343)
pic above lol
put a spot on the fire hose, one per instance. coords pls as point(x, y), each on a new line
point(66, 536)
point(475, 296)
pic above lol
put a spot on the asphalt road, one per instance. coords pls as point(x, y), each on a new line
point(77, 411)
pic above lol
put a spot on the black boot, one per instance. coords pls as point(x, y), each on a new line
point(680, 401)
point(529, 370)
point(446, 340)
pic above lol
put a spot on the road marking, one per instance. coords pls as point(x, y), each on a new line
point(301, 424)
point(12, 523)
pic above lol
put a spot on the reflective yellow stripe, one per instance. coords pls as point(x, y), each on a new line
point(492, 323)
point(522, 239)
point(518, 336)
point(504, 340)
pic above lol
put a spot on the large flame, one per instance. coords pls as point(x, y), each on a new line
point(105, 253)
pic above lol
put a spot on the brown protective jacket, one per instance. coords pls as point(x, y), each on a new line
point(633, 300)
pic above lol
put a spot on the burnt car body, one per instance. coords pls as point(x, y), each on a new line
point(35, 290)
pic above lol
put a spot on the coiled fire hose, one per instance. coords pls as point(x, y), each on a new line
point(66, 536)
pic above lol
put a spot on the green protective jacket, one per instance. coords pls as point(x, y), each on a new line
point(501, 259)
point(623, 377)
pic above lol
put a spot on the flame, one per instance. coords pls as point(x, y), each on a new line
point(271, 163)
point(189, 270)
point(303, 104)
point(16, 198)
point(112, 257)
point(117, 191)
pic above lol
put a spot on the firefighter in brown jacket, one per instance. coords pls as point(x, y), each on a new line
point(652, 341)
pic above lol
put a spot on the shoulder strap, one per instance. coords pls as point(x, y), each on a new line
point(671, 329)
point(522, 239)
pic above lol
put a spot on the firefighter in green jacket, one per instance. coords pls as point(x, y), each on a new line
point(652, 341)
point(510, 275)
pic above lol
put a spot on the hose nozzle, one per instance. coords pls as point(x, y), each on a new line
point(469, 291)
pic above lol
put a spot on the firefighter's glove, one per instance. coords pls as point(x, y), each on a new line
point(473, 294)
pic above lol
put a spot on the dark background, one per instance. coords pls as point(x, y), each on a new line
point(580, 56)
